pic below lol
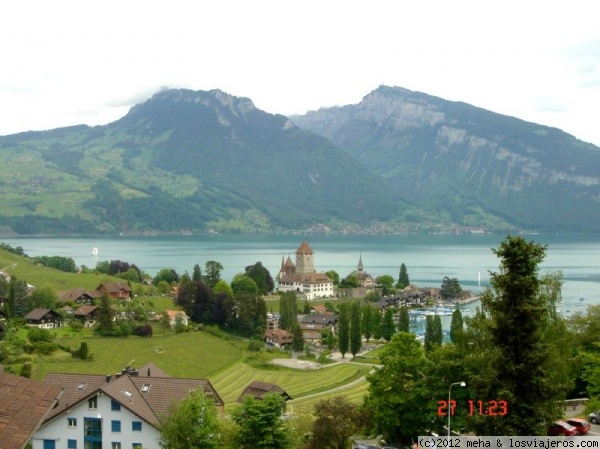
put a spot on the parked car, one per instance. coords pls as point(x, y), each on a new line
point(581, 425)
point(562, 428)
point(594, 417)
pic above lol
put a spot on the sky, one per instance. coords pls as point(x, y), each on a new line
point(69, 62)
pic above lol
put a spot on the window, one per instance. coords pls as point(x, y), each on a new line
point(136, 426)
point(115, 426)
point(115, 406)
point(115, 445)
point(93, 402)
point(72, 422)
point(71, 444)
point(81, 386)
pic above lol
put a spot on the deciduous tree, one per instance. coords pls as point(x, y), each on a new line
point(336, 420)
point(260, 423)
point(193, 423)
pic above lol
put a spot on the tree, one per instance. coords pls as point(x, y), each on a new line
point(262, 277)
point(367, 321)
point(212, 270)
point(397, 391)
point(433, 332)
point(243, 284)
point(456, 327)
point(377, 324)
point(404, 320)
point(288, 310)
point(105, 325)
point(355, 331)
point(193, 423)
point(388, 328)
point(520, 346)
point(350, 281)
point(197, 273)
point(44, 297)
point(344, 329)
point(168, 275)
point(16, 305)
point(328, 339)
point(386, 281)
point(450, 288)
point(251, 314)
point(297, 337)
point(334, 276)
point(260, 423)
point(336, 420)
point(403, 280)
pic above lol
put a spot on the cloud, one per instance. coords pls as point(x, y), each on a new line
point(137, 98)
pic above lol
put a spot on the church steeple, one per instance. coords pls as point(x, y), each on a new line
point(360, 267)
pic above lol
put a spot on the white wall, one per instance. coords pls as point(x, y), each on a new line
point(58, 429)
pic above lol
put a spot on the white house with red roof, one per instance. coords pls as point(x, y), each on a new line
point(302, 277)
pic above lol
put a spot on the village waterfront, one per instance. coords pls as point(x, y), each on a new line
point(428, 258)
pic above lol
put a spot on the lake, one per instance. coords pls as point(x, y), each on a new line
point(428, 258)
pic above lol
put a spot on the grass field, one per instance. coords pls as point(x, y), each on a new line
point(354, 393)
point(297, 383)
point(192, 354)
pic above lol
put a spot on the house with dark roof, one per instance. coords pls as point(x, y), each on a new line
point(116, 290)
point(78, 295)
point(278, 338)
point(302, 277)
point(314, 324)
point(25, 404)
point(86, 314)
point(43, 318)
point(124, 410)
point(259, 389)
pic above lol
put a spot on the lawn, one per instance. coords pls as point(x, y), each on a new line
point(192, 354)
point(297, 383)
point(354, 393)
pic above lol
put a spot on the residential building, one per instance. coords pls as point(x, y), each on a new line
point(86, 314)
point(43, 318)
point(259, 389)
point(24, 405)
point(302, 277)
point(278, 338)
point(116, 412)
point(177, 315)
point(78, 295)
point(116, 290)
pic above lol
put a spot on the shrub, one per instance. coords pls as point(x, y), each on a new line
point(76, 325)
point(45, 347)
point(26, 370)
point(255, 345)
point(144, 330)
point(36, 334)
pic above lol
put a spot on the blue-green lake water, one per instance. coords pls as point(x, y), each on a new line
point(428, 258)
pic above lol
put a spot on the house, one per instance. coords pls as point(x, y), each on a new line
point(320, 309)
point(78, 295)
point(43, 318)
point(302, 277)
point(278, 337)
point(177, 315)
point(116, 290)
point(314, 324)
point(365, 279)
point(86, 314)
point(25, 404)
point(258, 390)
point(115, 411)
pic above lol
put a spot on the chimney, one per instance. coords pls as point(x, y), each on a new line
point(148, 372)
point(108, 378)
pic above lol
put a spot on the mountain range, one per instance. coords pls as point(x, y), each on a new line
point(205, 161)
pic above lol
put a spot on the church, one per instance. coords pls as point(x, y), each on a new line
point(302, 277)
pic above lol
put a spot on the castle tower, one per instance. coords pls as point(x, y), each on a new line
point(304, 259)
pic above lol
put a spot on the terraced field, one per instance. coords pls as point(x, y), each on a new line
point(297, 383)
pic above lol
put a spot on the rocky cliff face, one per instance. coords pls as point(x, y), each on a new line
point(458, 158)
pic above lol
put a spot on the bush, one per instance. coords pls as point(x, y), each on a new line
point(144, 330)
point(76, 325)
point(255, 345)
point(36, 334)
point(26, 370)
point(45, 347)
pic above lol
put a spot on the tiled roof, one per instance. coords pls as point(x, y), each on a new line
point(84, 310)
point(309, 278)
point(148, 397)
point(76, 293)
point(37, 314)
point(259, 389)
point(304, 248)
point(114, 287)
point(24, 404)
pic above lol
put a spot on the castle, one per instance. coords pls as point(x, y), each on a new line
point(302, 277)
